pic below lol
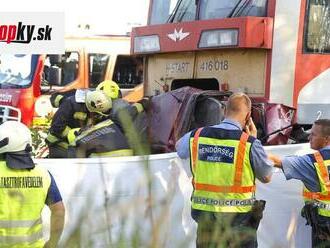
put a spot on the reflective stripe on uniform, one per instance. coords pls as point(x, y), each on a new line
point(63, 144)
point(117, 153)
point(323, 170)
point(316, 196)
point(65, 131)
point(94, 128)
point(52, 138)
point(57, 100)
point(310, 195)
point(225, 189)
point(195, 148)
point(139, 107)
point(223, 202)
point(11, 240)
point(80, 116)
point(240, 159)
point(19, 223)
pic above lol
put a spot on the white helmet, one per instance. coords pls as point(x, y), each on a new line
point(98, 102)
point(14, 137)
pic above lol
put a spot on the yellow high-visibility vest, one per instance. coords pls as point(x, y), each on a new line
point(22, 197)
point(322, 198)
point(223, 178)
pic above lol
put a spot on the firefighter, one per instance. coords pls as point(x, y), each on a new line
point(105, 139)
point(312, 170)
point(24, 190)
point(70, 115)
point(225, 160)
point(130, 118)
point(57, 98)
point(112, 90)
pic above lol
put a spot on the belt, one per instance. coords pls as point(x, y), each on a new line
point(223, 202)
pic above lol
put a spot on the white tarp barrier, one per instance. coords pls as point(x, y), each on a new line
point(145, 201)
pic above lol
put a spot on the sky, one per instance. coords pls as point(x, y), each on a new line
point(103, 16)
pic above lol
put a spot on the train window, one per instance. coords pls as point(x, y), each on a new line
point(185, 10)
point(317, 27)
point(214, 9)
point(161, 10)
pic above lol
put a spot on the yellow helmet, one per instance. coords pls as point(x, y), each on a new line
point(98, 102)
point(110, 88)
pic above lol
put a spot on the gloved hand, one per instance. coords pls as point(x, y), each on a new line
point(145, 102)
point(73, 133)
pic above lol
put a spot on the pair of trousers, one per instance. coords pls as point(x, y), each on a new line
point(217, 230)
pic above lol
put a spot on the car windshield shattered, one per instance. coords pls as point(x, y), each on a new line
point(16, 71)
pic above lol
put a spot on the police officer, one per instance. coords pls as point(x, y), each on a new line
point(70, 115)
point(313, 171)
point(24, 190)
point(225, 160)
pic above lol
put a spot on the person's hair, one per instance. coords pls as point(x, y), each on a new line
point(236, 101)
point(325, 126)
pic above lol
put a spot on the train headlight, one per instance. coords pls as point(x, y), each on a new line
point(219, 38)
point(145, 44)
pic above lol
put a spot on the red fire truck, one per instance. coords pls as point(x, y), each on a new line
point(26, 81)
point(277, 51)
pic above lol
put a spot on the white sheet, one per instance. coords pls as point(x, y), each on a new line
point(109, 200)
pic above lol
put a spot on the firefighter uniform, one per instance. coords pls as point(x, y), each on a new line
point(24, 190)
point(132, 120)
point(71, 114)
point(122, 105)
point(57, 98)
point(105, 139)
point(124, 114)
point(31, 187)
